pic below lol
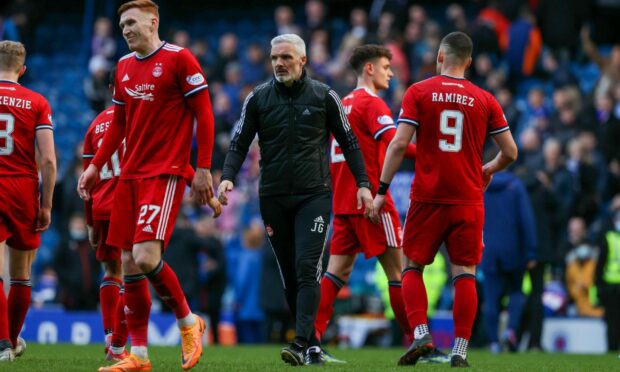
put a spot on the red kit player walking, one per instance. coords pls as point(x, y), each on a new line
point(371, 121)
point(98, 210)
point(25, 121)
point(160, 91)
point(451, 118)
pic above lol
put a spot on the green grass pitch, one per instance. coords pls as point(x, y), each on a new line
point(66, 358)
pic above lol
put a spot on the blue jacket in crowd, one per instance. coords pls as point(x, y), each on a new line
point(509, 226)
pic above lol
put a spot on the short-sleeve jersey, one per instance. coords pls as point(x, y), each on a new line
point(22, 113)
point(159, 122)
point(453, 117)
point(103, 191)
point(369, 117)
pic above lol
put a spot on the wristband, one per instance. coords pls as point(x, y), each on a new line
point(383, 188)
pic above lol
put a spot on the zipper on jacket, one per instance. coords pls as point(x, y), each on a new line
point(291, 145)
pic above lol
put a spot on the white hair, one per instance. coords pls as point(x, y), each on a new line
point(293, 39)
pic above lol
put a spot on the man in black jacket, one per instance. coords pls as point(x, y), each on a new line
point(293, 116)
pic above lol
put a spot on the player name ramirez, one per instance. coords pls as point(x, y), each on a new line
point(16, 102)
point(453, 97)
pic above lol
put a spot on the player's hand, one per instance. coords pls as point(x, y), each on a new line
point(87, 181)
point(44, 218)
point(365, 196)
point(377, 204)
point(202, 186)
point(93, 236)
point(215, 205)
point(487, 176)
point(222, 191)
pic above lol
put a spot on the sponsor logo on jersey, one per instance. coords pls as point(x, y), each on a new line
point(148, 229)
point(125, 78)
point(158, 70)
point(141, 92)
point(306, 112)
point(385, 120)
point(195, 79)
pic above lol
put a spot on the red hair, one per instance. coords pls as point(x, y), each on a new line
point(145, 5)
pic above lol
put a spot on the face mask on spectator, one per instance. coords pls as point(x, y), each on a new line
point(78, 234)
point(583, 252)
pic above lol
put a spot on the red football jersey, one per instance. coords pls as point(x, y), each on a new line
point(369, 117)
point(103, 191)
point(159, 123)
point(453, 117)
point(22, 112)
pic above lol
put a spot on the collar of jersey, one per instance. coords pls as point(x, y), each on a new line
point(367, 91)
point(150, 54)
point(9, 82)
point(452, 77)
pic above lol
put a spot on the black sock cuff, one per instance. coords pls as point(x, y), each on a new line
point(411, 268)
point(156, 270)
point(463, 276)
point(337, 281)
point(23, 282)
point(395, 283)
point(106, 283)
point(132, 278)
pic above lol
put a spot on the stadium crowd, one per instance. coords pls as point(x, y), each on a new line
point(553, 65)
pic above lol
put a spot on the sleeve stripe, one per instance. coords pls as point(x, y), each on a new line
point(44, 126)
point(195, 90)
point(409, 121)
point(343, 116)
point(242, 118)
point(118, 102)
point(380, 131)
point(88, 156)
point(500, 130)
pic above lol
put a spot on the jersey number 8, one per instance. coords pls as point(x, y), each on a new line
point(6, 133)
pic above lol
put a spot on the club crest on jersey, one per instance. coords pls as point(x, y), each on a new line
point(158, 70)
point(195, 79)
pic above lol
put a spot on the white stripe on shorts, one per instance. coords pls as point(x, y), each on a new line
point(166, 207)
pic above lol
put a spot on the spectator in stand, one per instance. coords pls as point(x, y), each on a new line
point(524, 46)
point(8, 29)
point(609, 66)
point(254, 65)
point(559, 22)
point(457, 19)
point(227, 53)
point(103, 43)
point(96, 84)
point(285, 21)
point(505, 99)
point(509, 248)
point(585, 178)
point(608, 275)
point(581, 258)
point(181, 38)
point(77, 268)
point(316, 17)
point(535, 114)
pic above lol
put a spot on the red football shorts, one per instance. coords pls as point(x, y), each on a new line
point(458, 226)
point(105, 252)
point(19, 207)
point(355, 234)
point(145, 209)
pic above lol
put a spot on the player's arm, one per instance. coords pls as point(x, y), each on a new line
point(88, 154)
point(507, 154)
point(341, 129)
point(111, 141)
point(243, 135)
point(47, 165)
point(387, 137)
point(396, 151)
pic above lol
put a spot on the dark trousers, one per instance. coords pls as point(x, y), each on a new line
point(610, 299)
point(496, 284)
point(297, 226)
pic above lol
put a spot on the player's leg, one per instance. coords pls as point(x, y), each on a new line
point(20, 264)
point(109, 294)
point(336, 276)
point(311, 232)
point(464, 245)
point(391, 262)
point(6, 348)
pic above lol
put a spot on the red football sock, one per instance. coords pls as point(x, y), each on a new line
point(119, 333)
point(108, 298)
point(137, 308)
point(330, 286)
point(18, 303)
point(167, 286)
point(4, 315)
point(465, 305)
point(398, 307)
point(414, 295)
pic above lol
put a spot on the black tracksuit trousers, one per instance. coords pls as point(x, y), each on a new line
point(297, 227)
